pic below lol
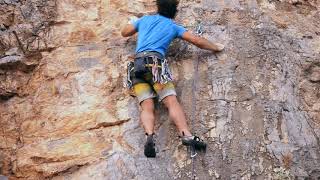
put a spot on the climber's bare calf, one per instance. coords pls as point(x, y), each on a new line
point(147, 116)
point(177, 115)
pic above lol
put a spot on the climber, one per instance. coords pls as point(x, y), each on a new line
point(150, 73)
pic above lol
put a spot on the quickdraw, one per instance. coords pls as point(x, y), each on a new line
point(130, 68)
point(199, 30)
point(155, 69)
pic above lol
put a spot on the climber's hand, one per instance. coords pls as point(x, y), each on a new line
point(128, 30)
point(132, 20)
point(202, 42)
point(219, 47)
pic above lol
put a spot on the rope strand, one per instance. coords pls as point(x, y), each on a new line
point(194, 99)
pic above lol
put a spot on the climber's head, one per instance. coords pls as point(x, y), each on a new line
point(167, 8)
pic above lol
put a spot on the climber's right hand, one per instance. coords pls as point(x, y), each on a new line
point(202, 43)
point(219, 47)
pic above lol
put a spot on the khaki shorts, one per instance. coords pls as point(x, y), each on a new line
point(145, 91)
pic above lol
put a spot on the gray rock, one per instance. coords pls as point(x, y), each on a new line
point(9, 60)
point(87, 63)
point(3, 177)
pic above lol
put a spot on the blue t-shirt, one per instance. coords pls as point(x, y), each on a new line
point(156, 33)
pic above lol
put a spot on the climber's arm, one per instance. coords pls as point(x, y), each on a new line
point(202, 42)
point(128, 30)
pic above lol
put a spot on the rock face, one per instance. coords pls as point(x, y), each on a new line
point(64, 113)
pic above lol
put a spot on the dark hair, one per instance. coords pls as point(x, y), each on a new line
point(167, 8)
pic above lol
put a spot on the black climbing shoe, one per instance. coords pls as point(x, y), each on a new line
point(194, 142)
point(149, 147)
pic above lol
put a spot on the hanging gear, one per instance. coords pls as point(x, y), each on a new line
point(166, 75)
point(130, 68)
point(146, 62)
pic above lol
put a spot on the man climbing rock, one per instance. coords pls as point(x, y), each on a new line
point(150, 73)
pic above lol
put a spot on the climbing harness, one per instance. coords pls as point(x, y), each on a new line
point(148, 62)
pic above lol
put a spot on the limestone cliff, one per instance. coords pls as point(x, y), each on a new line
point(64, 113)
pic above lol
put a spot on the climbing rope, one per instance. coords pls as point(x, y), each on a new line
point(199, 32)
point(193, 152)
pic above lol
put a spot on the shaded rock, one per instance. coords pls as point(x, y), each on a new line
point(4, 95)
point(7, 61)
point(315, 74)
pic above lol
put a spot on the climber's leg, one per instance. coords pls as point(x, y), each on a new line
point(147, 116)
point(145, 95)
point(177, 115)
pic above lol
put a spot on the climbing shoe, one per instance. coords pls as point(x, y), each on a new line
point(149, 147)
point(194, 142)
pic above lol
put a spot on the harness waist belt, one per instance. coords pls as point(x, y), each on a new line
point(149, 53)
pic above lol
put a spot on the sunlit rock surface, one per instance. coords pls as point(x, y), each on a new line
point(65, 114)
